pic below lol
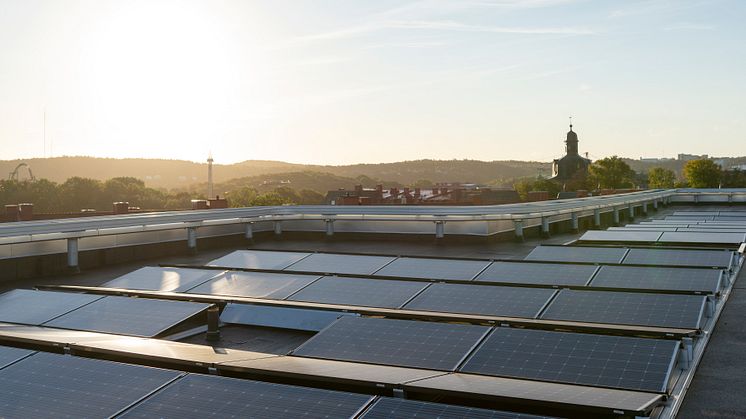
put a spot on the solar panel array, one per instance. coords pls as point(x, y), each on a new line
point(433, 268)
point(655, 278)
point(391, 408)
point(704, 258)
point(258, 259)
point(162, 279)
point(254, 284)
point(577, 254)
point(576, 358)
point(360, 292)
point(341, 264)
point(537, 273)
point(15, 305)
point(437, 346)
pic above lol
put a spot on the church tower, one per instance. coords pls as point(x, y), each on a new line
point(571, 143)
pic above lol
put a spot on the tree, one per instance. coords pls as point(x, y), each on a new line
point(702, 173)
point(661, 178)
point(611, 172)
point(734, 178)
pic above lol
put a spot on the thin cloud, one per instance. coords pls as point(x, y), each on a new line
point(457, 26)
point(687, 26)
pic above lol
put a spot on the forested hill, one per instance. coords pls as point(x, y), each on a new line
point(182, 174)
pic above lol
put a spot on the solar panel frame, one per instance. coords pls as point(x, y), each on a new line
point(255, 284)
point(482, 299)
point(398, 408)
point(258, 259)
point(453, 269)
point(341, 263)
point(129, 316)
point(537, 273)
point(642, 309)
point(622, 362)
point(658, 278)
point(16, 305)
point(359, 292)
point(153, 278)
point(51, 385)
point(199, 396)
point(577, 254)
point(406, 343)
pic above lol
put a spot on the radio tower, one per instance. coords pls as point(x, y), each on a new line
point(209, 177)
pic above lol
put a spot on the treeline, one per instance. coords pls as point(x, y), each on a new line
point(79, 193)
point(614, 173)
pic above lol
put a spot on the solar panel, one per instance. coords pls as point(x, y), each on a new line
point(258, 259)
point(537, 273)
point(709, 238)
point(577, 254)
point(663, 310)
point(10, 355)
point(162, 279)
point(433, 268)
point(359, 292)
point(482, 299)
point(621, 236)
point(675, 257)
point(201, 396)
point(391, 408)
point(438, 346)
point(651, 277)
point(341, 264)
point(255, 284)
point(50, 385)
point(128, 316)
point(576, 358)
point(37, 307)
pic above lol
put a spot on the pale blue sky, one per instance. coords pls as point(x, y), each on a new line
point(346, 81)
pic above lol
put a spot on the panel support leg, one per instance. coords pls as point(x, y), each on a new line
point(213, 323)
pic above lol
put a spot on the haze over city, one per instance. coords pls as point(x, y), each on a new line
point(343, 82)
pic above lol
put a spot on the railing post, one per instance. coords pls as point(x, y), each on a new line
point(72, 255)
point(574, 221)
point(248, 231)
point(616, 216)
point(519, 230)
point(192, 239)
point(545, 227)
point(329, 226)
point(597, 218)
point(655, 204)
point(645, 208)
point(631, 211)
point(439, 229)
point(278, 227)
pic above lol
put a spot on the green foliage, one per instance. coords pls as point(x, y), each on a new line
point(661, 178)
point(702, 173)
point(612, 172)
point(734, 179)
point(526, 185)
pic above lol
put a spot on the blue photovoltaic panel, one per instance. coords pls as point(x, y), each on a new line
point(576, 358)
point(359, 292)
point(255, 284)
point(537, 273)
point(407, 343)
point(679, 257)
point(577, 254)
point(341, 264)
point(10, 355)
point(662, 310)
point(433, 268)
point(56, 386)
point(162, 279)
point(620, 236)
point(396, 408)
point(201, 396)
point(37, 307)
point(129, 316)
point(280, 317)
point(482, 299)
point(258, 259)
point(705, 238)
point(651, 277)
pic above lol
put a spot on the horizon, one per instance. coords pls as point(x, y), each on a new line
point(370, 82)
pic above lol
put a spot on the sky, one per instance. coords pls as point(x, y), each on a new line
point(368, 81)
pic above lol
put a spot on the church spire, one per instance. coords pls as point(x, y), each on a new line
point(570, 122)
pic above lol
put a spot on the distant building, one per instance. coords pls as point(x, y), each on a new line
point(441, 194)
point(568, 167)
point(655, 159)
point(688, 157)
